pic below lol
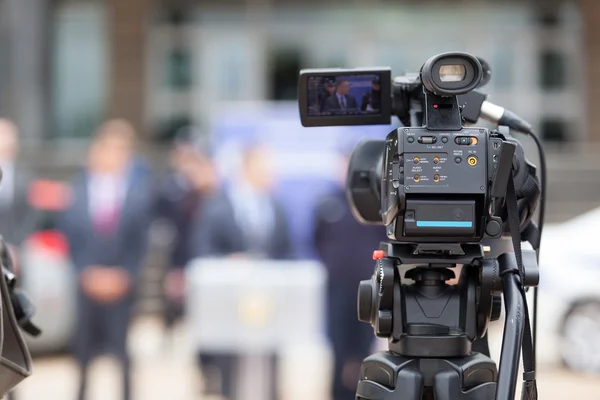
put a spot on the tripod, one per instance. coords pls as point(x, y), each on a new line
point(431, 325)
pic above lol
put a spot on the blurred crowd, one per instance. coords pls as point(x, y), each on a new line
point(113, 200)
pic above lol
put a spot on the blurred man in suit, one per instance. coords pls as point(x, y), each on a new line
point(341, 100)
point(371, 101)
point(326, 93)
point(345, 247)
point(17, 218)
point(243, 220)
point(106, 226)
point(189, 182)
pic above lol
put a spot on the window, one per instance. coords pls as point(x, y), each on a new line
point(169, 128)
point(79, 69)
point(179, 69)
point(548, 15)
point(173, 12)
point(232, 71)
point(554, 130)
point(283, 75)
point(552, 70)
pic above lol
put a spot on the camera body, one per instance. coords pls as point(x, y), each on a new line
point(430, 181)
point(436, 185)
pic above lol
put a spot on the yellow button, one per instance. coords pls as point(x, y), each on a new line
point(472, 161)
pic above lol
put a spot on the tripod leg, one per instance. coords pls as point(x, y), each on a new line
point(409, 386)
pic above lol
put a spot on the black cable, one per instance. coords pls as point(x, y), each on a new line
point(541, 217)
point(543, 180)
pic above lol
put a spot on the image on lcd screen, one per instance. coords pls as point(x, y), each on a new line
point(344, 95)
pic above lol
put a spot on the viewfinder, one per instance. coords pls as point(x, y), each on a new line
point(452, 73)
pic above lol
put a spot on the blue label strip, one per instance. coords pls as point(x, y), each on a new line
point(445, 224)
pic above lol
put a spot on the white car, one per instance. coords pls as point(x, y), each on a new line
point(568, 323)
point(569, 294)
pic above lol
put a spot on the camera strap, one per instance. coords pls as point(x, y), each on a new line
point(529, 391)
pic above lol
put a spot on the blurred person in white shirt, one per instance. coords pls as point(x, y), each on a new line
point(241, 220)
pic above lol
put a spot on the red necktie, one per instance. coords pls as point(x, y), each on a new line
point(106, 222)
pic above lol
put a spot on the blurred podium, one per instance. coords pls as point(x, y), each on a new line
point(255, 308)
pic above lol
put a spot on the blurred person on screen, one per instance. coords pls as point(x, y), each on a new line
point(346, 248)
point(189, 182)
point(371, 101)
point(327, 91)
point(106, 226)
point(341, 100)
point(242, 220)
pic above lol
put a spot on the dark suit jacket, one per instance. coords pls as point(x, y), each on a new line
point(334, 104)
point(103, 327)
point(343, 244)
point(217, 232)
point(178, 205)
point(19, 220)
point(127, 247)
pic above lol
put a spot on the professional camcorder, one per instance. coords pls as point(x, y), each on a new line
point(446, 192)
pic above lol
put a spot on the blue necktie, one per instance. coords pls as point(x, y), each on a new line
point(343, 99)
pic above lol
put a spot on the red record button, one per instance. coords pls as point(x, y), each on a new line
point(377, 254)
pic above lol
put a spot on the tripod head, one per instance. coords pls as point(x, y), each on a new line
point(427, 319)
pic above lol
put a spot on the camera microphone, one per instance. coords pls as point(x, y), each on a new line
point(476, 106)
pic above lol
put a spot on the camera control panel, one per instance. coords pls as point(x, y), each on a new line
point(442, 162)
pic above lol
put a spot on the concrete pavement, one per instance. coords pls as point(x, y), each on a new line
point(168, 372)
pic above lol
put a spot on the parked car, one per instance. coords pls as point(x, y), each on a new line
point(568, 323)
point(46, 273)
point(569, 294)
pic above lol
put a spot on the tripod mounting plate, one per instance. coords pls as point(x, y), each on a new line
point(439, 346)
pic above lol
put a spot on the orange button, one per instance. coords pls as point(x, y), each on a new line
point(377, 254)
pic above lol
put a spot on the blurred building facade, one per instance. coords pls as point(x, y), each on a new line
point(165, 63)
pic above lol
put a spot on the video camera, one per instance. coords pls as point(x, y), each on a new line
point(442, 190)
